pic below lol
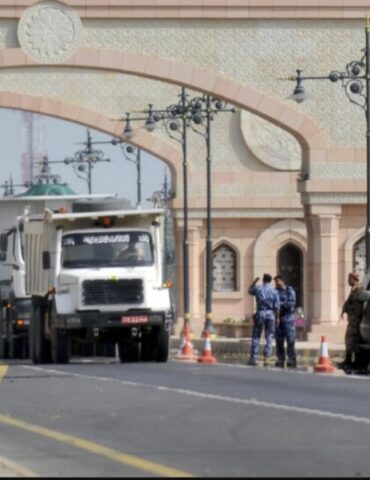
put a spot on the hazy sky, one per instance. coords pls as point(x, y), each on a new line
point(60, 141)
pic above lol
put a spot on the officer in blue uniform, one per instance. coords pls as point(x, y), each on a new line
point(267, 300)
point(285, 326)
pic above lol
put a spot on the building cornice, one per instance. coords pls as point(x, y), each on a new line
point(261, 213)
point(205, 9)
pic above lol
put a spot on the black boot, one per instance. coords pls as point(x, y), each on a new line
point(347, 362)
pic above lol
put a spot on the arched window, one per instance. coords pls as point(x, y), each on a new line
point(359, 257)
point(290, 266)
point(224, 269)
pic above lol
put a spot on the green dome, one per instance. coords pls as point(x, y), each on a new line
point(42, 189)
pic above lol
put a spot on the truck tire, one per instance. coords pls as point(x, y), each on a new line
point(93, 205)
point(39, 347)
point(17, 347)
point(129, 352)
point(162, 346)
point(148, 348)
point(60, 346)
point(4, 347)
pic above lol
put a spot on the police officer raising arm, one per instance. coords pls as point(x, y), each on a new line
point(265, 317)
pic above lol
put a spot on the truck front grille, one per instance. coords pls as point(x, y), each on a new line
point(112, 292)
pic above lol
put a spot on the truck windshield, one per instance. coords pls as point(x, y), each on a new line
point(107, 249)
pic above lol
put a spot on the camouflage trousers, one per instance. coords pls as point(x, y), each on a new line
point(263, 320)
point(352, 337)
point(285, 331)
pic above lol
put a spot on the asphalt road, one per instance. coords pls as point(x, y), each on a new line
point(99, 418)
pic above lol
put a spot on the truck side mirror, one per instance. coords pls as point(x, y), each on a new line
point(46, 260)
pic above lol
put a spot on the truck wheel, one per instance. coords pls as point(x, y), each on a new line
point(129, 352)
point(163, 345)
point(15, 342)
point(60, 346)
point(4, 347)
point(15, 347)
point(39, 351)
point(148, 348)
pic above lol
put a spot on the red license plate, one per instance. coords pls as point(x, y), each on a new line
point(135, 319)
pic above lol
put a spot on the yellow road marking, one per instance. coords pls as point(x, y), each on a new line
point(3, 370)
point(92, 447)
point(15, 468)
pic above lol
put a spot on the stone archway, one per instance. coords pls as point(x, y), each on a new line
point(172, 72)
point(240, 95)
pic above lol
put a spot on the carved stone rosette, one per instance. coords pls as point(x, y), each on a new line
point(49, 32)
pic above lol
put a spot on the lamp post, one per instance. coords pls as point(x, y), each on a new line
point(133, 154)
point(177, 118)
point(161, 198)
point(355, 80)
point(206, 108)
point(88, 157)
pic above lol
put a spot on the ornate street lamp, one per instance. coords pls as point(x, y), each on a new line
point(85, 158)
point(177, 118)
point(133, 154)
point(206, 108)
point(355, 80)
point(160, 198)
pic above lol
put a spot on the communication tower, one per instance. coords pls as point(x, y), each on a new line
point(33, 141)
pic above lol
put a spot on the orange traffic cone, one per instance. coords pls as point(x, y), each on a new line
point(186, 351)
point(324, 365)
point(207, 356)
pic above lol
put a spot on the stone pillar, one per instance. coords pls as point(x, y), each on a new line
point(195, 278)
point(322, 229)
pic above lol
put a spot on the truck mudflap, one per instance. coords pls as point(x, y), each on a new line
point(96, 319)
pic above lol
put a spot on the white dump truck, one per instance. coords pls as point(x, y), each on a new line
point(96, 276)
point(15, 304)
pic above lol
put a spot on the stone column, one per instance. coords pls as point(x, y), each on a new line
point(196, 281)
point(322, 229)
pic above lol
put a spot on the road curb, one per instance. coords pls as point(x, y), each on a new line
point(237, 350)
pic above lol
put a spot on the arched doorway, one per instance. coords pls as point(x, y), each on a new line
point(290, 266)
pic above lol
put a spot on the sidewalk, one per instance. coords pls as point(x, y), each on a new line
point(236, 350)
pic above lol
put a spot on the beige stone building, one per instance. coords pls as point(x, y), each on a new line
point(289, 180)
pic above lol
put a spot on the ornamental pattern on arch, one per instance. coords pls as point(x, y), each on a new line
point(49, 32)
point(224, 269)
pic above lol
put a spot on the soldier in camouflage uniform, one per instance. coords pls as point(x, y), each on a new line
point(285, 326)
point(353, 307)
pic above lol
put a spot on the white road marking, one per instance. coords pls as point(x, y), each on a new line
point(208, 396)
